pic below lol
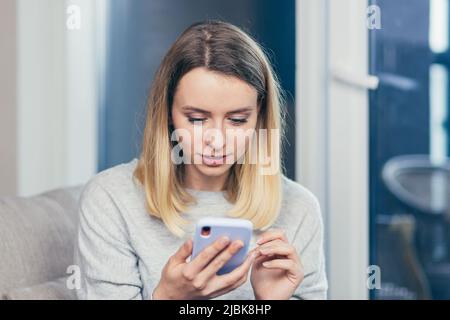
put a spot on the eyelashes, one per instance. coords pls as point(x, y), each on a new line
point(234, 121)
point(238, 120)
point(192, 120)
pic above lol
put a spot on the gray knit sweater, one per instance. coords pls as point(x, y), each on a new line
point(121, 249)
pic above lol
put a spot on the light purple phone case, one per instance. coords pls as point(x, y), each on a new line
point(233, 228)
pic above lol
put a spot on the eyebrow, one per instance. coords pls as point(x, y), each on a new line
point(195, 109)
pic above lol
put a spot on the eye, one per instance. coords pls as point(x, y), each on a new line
point(238, 121)
point(193, 120)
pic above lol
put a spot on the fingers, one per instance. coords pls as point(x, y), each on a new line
point(270, 235)
point(204, 257)
point(234, 276)
point(280, 248)
point(183, 252)
point(294, 271)
point(292, 264)
point(284, 264)
point(220, 260)
point(237, 284)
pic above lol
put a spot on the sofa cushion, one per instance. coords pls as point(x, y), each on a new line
point(51, 290)
point(37, 237)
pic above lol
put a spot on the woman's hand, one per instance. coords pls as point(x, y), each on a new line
point(277, 271)
point(197, 279)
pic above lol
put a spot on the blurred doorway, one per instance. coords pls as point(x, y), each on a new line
point(409, 150)
point(374, 142)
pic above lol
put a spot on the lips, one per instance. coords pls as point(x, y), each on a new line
point(214, 161)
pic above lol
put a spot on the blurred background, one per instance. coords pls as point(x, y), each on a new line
point(368, 114)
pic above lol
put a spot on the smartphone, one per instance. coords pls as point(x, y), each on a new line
point(208, 230)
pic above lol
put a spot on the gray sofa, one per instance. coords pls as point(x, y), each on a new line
point(37, 236)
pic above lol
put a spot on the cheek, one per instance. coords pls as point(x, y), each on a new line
point(190, 141)
point(241, 141)
point(186, 142)
point(183, 131)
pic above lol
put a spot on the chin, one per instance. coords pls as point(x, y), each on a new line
point(214, 171)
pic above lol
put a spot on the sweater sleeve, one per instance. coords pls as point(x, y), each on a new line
point(104, 255)
point(308, 240)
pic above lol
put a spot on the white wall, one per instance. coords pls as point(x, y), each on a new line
point(41, 95)
point(348, 149)
point(312, 108)
point(54, 116)
point(85, 54)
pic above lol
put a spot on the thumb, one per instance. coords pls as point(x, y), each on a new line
point(183, 252)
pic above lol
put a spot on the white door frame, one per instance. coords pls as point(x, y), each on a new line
point(332, 132)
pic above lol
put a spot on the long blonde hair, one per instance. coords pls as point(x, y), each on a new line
point(224, 48)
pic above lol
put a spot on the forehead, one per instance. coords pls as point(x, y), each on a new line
point(213, 91)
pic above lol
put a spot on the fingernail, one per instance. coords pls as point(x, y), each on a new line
point(259, 241)
point(265, 264)
point(264, 250)
point(225, 240)
point(237, 245)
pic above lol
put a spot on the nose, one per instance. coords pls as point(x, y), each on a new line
point(214, 138)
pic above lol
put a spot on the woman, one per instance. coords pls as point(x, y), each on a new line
point(215, 103)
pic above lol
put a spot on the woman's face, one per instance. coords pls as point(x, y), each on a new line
point(209, 111)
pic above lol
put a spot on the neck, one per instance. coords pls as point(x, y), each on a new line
point(196, 180)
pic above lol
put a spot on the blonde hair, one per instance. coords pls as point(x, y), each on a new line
point(223, 48)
